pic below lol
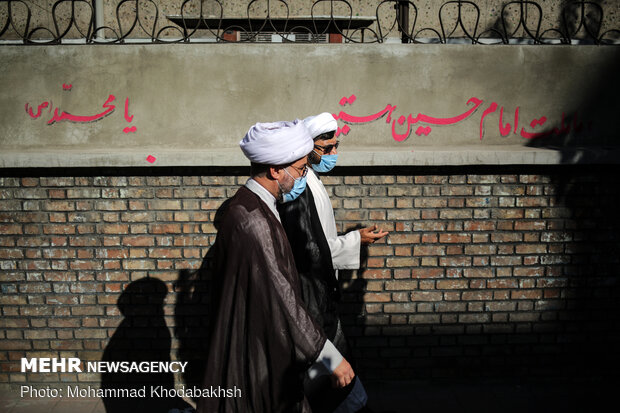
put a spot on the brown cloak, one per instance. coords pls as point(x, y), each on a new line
point(262, 337)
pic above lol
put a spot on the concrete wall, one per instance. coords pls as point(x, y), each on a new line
point(396, 104)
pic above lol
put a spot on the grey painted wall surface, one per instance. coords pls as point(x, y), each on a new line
point(398, 104)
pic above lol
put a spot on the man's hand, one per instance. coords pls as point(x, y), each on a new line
point(368, 236)
point(343, 374)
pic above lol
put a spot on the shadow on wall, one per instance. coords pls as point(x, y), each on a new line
point(570, 331)
point(569, 336)
point(351, 307)
point(588, 192)
point(141, 336)
point(591, 134)
point(192, 311)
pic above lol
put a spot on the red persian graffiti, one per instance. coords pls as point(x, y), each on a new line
point(474, 105)
point(62, 116)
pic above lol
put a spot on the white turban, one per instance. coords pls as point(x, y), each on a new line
point(319, 124)
point(277, 143)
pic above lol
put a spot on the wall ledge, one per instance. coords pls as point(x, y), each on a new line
point(360, 156)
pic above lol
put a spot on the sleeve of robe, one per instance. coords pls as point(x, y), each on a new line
point(345, 248)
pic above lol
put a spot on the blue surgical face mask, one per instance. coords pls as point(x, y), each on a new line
point(327, 163)
point(298, 188)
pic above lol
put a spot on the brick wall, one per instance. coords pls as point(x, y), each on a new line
point(487, 272)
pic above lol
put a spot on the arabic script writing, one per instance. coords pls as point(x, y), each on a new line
point(473, 105)
point(62, 116)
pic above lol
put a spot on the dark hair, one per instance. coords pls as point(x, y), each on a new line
point(258, 169)
point(326, 135)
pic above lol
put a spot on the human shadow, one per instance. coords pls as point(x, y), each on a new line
point(142, 336)
point(351, 305)
point(192, 312)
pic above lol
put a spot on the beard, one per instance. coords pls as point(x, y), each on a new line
point(285, 187)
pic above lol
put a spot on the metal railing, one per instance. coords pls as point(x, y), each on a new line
point(181, 21)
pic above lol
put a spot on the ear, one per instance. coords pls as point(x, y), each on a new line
point(314, 157)
point(275, 172)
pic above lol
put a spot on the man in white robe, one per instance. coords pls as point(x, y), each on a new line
point(319, 253)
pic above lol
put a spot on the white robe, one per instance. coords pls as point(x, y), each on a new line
point(345, 249)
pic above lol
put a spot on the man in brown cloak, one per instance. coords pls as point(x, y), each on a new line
point(263, 338)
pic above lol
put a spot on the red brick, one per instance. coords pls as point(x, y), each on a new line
point(138, 241)
point(83, 193)
point(452, 284)
point(137, 205)
point(482, 295)
point(430, 238)
point(473, 318)
point(430, 202)
point(502, 283)
point(426, 296)
point(165, 253)
point(532, 202)
point(131, 264)
point(455, 261)
point(477, 202)
point(431, 179)
point(401, 285)
point(163, 180)
point(399, 308)
point(11, 229)
point(58, 229)
point(428, 250)
point(402, 214)
point(427, 272)
point(396, 238)
point(400, 262)
point(456, 202)
point(480, 249)
point(86, 265)
point(377, 297)
point(506, 237)
point(479, 225)
point(165, 228)
point(454, 238)
point(429, 214)
point(457, 190)
point(376, 274)
point(508, 213)
point(7, 254)
point(529, 271)
point(478, 272)
point(113, 228)
point(455, 214)
point(116, 205)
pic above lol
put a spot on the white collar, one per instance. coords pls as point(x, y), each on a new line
point(264, 195)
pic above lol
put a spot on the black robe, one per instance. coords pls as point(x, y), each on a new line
point(320, 289)
point(262, 337)
point(313, 259)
